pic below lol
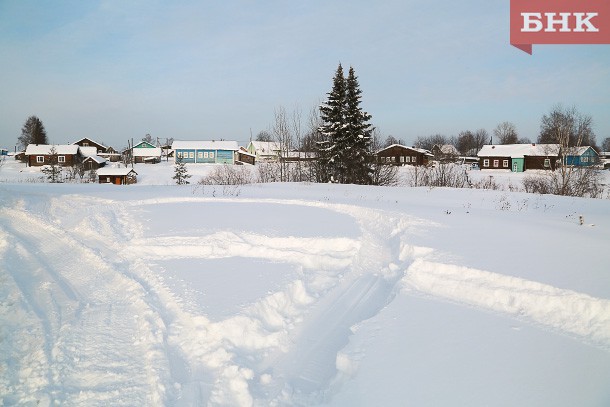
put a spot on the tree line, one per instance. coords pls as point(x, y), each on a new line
point(342, 141)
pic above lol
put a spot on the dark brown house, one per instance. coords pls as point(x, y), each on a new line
point(37, 155)
point(117, 176)
point(519, 157)
point(243, 156)
point(397, 154)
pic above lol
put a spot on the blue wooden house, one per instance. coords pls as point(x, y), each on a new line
point(205, 151)
point(581, 156)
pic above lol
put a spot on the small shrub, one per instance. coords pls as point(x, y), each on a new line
point(227, 175)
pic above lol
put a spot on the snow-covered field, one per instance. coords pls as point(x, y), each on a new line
point(300, 294)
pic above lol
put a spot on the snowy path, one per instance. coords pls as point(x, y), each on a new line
point(86, 319)
point(79, 324)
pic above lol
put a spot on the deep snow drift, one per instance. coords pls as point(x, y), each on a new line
point(298, 294)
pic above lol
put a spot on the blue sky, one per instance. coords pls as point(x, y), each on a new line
point(116, 70)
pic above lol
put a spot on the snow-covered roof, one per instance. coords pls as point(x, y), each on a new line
point(45, 149)
point(265, 147)
point(419, 150)
point(519, 150)
point(448, 149)
point(147, 152)
point(577, 151)
point(96, 158)
point(88, 151)
point(93, 141)
point(115, 171)
point(205, 145)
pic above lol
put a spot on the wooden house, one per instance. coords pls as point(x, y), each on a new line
point(397, 154)
point(87, 142)
point(519, 157)
point(445, 153)
point(93, 162)
point(37, 155)
point(265, 150)
point(205, 151)
point(144, 152)
point(117, 176)
point(244, 157)
point(581, 156)
point(111, 155)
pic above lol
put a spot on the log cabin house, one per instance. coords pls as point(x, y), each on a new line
point(519, 157)
point(397, 154)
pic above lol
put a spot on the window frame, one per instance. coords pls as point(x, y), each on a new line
point(486, 162)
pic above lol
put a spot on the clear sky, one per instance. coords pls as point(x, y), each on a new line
point(113, 70)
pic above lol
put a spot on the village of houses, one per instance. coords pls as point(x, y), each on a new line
point(107, 162)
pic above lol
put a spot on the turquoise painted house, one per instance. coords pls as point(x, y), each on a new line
point(205, 151)
point(581, 156)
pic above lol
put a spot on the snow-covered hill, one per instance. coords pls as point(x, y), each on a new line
point(301, 294)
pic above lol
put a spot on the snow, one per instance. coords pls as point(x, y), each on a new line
point(518, 150)
point(42, 149)
point(205, 145)
point(114, 171)
point(299, 294)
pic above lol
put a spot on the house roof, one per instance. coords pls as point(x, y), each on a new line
point(578, 151)
point(519, 150)
point(45, 149)
point(265, 147)
point(448, 149)
point(93, 141)
point(96, 158)
point(205, 145)
point(147, 152)
point(418, 150)
point(144, 142)
point(88, 151)
point(115, 171)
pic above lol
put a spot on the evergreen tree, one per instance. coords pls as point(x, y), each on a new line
point(343, 153)
point(181, 174)
point(53, 169)
point(357, 135)
point(32, 132)
point(332, 115)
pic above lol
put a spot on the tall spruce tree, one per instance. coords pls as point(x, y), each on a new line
point(343, 152)
point(332, 115)
point(357, 135)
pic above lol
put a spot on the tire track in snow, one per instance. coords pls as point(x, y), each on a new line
point(87, 364)
point(366, 283)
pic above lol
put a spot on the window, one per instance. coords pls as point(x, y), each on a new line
point(547, 163)
point(108, 180)
point(408, 159)
point(584, 159)
point(179, 154)
point(393, 159)
point(191, 154)
point(402, 158)
point(206, 155)
point(505, 163)
point(61, 159)
point(39, 158)
point(486, 163)
point(496, 163)
point(211, 155)
point(200, 154)
point(85, 144)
